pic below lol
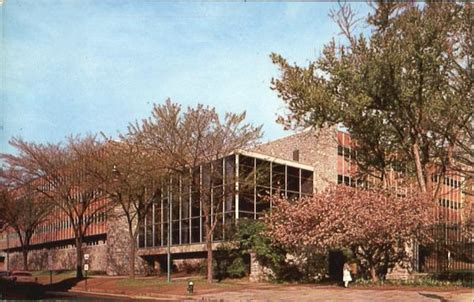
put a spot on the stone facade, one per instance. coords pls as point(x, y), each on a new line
point(109, 255)
point(118, 243)
point(399, 273)
point(60, 258)
point(257, 271)
point(317, 148)
point(189, 265)
point(404, 269)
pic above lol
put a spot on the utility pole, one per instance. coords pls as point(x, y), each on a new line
point(168, 252)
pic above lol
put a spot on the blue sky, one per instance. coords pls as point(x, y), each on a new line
point(83, 66)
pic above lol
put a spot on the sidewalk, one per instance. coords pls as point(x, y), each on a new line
point(158, 289)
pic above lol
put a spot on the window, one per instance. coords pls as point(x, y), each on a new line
point(344, 179)
point(306, 182)
point(278, 175)
point(293, 182)
point(296, 155)
point(344, 151)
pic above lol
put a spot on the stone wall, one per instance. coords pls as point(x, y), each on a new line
point(258, 272)
point(110, 256)
point(189, 266)
point(118, 243)
point(61, 258)
point(317, 148)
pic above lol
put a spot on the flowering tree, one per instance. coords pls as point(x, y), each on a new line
point(377, 225)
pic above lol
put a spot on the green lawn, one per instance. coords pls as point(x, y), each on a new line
point(64, 274)
point(145, 282)
point(58, 276)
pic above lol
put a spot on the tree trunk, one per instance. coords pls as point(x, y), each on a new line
point(24, 243)
point(209, 249)
point(79, 257)
point(131, 256)
point(373, 274)
point(419, 168)
point(25, 258)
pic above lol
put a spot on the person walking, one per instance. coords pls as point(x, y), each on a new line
point(346, 274)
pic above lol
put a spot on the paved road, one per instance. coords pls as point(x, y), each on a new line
point(299, 293)
point(340, 294)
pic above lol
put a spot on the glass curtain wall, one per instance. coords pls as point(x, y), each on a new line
point(235, 187)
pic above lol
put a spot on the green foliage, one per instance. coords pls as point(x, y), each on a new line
point(421, 282)
point(232, 258)
point(464, 276)
point(251, 235)
point(315, 268)
point(404, 90)
point(229, 263)
point(238, 268)
point(281, 264)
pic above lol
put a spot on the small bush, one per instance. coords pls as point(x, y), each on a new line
point(421, 282)
point(466, 277)
point(230, 263)
point(237, 269)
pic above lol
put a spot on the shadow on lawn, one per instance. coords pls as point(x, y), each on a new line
point(20, 290)
point(11, 290)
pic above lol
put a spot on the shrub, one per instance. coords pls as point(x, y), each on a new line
point(423, 282)
point(285, 265)
point(238, 268)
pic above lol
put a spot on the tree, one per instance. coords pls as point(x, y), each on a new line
point(404, 91)
point(60, 176)
point(23, 212)
point(186, 140)
point(132, 181)
point(376, 224)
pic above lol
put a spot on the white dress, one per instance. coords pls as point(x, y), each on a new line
point(346, 276)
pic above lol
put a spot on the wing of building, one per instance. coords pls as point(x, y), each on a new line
point(295, 166)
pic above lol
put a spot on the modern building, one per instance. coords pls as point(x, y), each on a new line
point(294, 166)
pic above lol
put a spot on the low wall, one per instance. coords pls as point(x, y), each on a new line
point(61, 258)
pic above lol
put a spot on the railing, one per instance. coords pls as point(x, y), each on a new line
point(451, 251)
